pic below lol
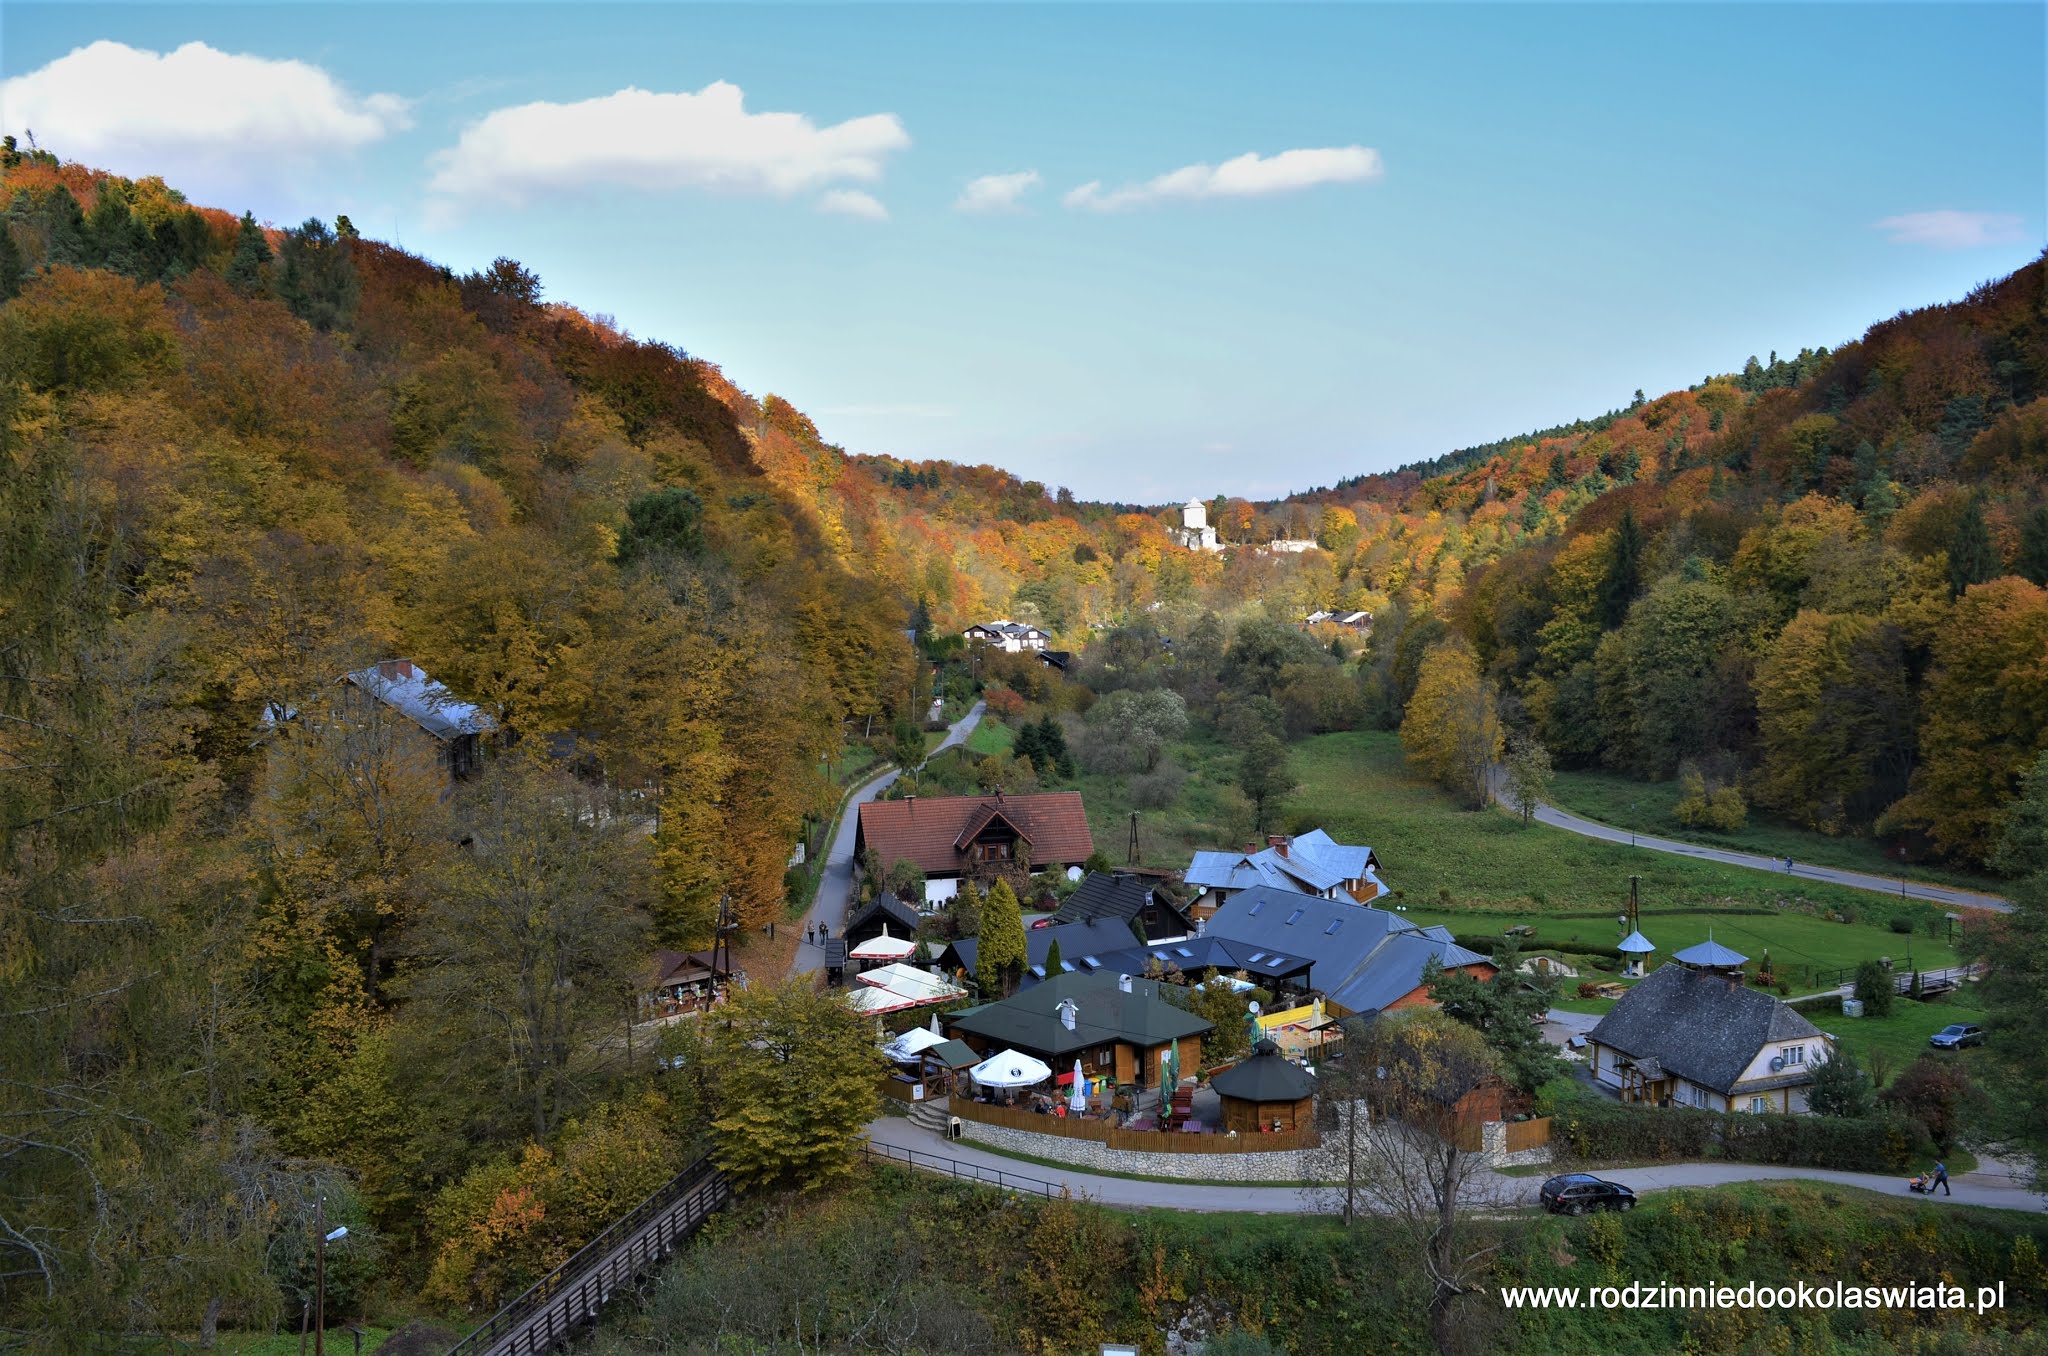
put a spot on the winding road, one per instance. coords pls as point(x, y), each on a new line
point(1856, 880)
point(835, 890)
point(1992, 1184)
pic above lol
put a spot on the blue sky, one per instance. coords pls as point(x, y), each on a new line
point(1496, 218)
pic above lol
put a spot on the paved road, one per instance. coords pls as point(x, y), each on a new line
point(836, 889)
point(1994, 1184)
point(1883, 885)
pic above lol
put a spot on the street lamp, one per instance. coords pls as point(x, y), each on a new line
point(1631, 823)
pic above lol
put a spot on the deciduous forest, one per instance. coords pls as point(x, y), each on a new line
point(256, 952)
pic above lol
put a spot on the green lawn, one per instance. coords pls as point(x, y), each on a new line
point(1805, 948)
point(1647, 808)
point(1901, 1038)
point(990, 736)
point(1357, 786)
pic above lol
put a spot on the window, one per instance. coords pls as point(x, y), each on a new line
point(1294, 917)
point(1254, 958)
point(1091, 962)
point(1253, 911)
point(1795, 1054)
point(1699, 1096)
point(1181, 950)
point(1759, 1105)
point(1332, 929)
point(1105, 1058)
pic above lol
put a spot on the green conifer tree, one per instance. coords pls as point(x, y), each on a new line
point(251, 257)
point(1972, 559)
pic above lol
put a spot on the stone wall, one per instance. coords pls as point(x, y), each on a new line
point(1286, 1165)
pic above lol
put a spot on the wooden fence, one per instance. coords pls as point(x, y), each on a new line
point(895, 1087)
point(1136, 1141)
point(1528, 1134)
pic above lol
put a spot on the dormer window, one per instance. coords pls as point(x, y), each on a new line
point(1795, 1054)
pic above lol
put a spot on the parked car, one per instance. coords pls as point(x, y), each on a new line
point(1956, 1035)
point(1577, 1192)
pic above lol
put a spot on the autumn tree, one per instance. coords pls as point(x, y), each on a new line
point(1452, 730)
point(1975, 751)
point(534, 946)
point(1266, 776)
point(798, 1079)
point(1393, 1120)
point(1526, 775)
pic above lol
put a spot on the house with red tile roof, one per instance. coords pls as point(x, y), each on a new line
point(954, 837)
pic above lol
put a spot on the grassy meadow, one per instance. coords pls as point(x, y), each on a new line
point(1647, 807)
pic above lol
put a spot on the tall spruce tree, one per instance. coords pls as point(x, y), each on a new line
point(2033, 562)
point(11, 266)
point(317, 276)
point(251, 257)
point(1624, 571)
point(1972, 559)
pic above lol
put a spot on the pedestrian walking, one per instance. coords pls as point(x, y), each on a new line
point(1940, 1180)
point(1788, 866)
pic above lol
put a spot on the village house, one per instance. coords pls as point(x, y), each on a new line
point(1312, 863)
point(1364, 960)
point(951, 838)
point(1693, 1034)
point(1083, 946)
point(1360, 622)
point(1116, 1024)
point(1011, 637)
point(1127, 898)
point(450, 729)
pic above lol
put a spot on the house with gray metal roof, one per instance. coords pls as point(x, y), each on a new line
point(1311, 863)
point(456, 728)
point(1698, 1036)
point(1361, 958)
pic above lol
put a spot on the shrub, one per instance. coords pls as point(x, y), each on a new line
point(1933, 1092)
point(1874, 987)
point(1705, 805)
point(1605, 1132)
point(1902, 925)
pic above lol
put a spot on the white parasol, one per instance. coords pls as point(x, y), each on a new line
point(883, 947)
point(1078, 1100)
point(911, 1044)
point(1010, 1069)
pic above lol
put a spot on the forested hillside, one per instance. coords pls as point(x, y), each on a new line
point(243, 960)
point(252, 955)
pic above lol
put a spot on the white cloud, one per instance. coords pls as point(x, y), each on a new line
point(142, 112)
point(1948, 229)
point(1246, 176)
point(643, 139)
point(996, 192)
point(851, 202)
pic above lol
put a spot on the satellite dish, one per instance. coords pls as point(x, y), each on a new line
point(1252, 1006)
point(1777, 1063)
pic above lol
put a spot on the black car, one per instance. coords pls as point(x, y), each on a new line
point(1576, 1192)
point(1956, 1035)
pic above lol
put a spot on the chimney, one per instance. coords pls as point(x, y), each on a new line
point(1278, 842)
point(911, 801)
point(1067, 1009)
point(1250, 848)
point(1123, 982)
point(396, 669)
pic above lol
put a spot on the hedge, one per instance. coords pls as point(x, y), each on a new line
point(1486, 944)
point(1613, 1132)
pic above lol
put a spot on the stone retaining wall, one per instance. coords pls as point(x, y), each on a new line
point(1285, 1165)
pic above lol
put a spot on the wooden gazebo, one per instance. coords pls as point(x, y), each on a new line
point(1268, 1091)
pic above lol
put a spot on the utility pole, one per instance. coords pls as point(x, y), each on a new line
point(322, 1236)
point(1133, 858)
